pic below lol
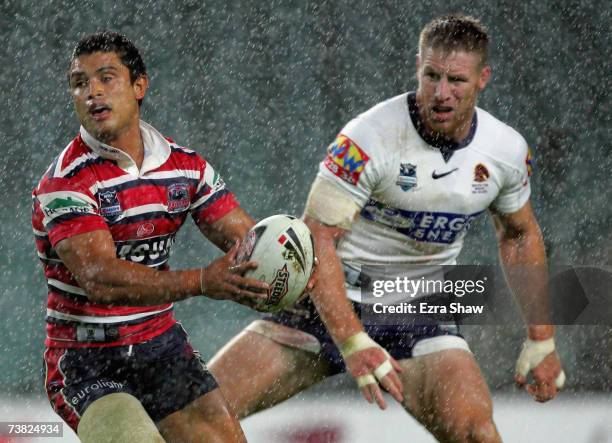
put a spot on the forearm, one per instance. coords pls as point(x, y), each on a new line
point(329, 295)
point(524, 260)
point(124, 283)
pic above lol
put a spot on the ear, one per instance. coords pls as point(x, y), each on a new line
point(140, 85)
point(485, 75)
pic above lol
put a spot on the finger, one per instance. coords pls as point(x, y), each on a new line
point(520, 380)
point(396, 365)
point(378, 396)
point(250, 284)
point(310, 284)
point(231, 254)
point(243, 267)
point(393, 386)
point(365, 391)
point(541, 392)
point(246, 293)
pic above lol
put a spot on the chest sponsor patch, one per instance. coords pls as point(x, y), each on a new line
point(425, 226)
point(346, 160)
point(178, 197)
point(151, 252)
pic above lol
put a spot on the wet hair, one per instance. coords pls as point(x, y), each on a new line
point(109, 41)
point(456, 32)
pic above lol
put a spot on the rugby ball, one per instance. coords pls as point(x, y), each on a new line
point(283, 248)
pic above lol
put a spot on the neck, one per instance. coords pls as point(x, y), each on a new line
point(130, 142)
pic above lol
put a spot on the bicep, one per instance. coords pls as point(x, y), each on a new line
point(515, 224)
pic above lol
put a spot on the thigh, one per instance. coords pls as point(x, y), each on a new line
point(256, 372)
point(207, 419)
point(76, 378)
point(446, 392)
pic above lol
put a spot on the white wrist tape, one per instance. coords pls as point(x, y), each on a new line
point(532, 354)
point(359, 342)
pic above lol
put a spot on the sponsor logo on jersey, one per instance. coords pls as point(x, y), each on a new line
point(67, 205)
point(110, 208)
point(178, 197)
point(481, 175)
point(279, 286)
point(346, 160)
point(430, 227)
point(407, 178)
point(145, 230)
point(437, 176)
point(151, 251)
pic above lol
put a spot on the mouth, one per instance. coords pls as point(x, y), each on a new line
point(99, 112)
point(442, 113)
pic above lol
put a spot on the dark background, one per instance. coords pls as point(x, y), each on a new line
point(261, 89)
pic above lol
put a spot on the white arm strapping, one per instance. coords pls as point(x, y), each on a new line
point(330, 205)
point(532, 354)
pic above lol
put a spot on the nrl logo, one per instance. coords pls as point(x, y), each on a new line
point(407, 178)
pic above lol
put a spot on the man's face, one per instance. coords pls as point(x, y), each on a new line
point(105, 100)
point(449, 83)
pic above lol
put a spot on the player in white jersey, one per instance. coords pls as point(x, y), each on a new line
point(399, 186)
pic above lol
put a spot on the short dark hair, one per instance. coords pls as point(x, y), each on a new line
point(456, 32)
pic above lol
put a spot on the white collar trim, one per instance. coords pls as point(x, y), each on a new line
point(156, 150)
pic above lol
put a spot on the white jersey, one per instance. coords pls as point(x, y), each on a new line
point(417, 196)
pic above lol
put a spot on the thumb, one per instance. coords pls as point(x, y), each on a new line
point(231, 254)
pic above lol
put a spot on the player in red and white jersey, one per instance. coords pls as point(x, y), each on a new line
point(398, 189)
point(118, 367)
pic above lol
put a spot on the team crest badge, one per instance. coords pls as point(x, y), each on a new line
point(481, 175)
point(407, 178)
point(110, 208)
point(178, 197)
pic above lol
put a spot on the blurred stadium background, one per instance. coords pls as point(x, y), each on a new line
point(260, 90)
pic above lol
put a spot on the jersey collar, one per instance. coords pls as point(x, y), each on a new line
point(156, 150)
point(447, 147)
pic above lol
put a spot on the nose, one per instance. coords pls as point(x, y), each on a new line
point(95, 88)
point(442, 89)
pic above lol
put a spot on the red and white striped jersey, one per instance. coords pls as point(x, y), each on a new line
point(92, 186)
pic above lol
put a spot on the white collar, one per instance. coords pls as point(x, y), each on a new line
point(156, 150)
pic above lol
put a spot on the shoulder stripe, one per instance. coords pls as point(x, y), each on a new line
point(181, 149)
point(81, 163)
point(208, 200)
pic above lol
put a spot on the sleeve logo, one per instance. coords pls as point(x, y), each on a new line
point(69, 204)
point(529, 163)
point(346, 160)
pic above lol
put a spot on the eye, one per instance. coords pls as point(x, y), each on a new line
point(432, 75)
point(107, 78)
point(456, 79)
